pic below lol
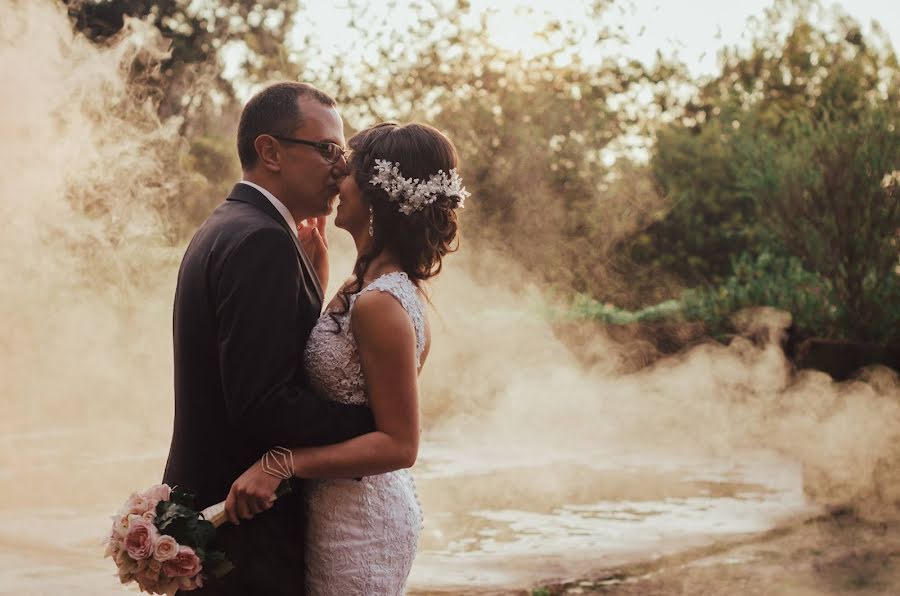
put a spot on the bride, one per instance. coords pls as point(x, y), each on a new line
point(398, 202)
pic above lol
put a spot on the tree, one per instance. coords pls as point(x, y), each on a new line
point(535, 132)
point(532, 131)
point(792, 69)
point(185, 82)
point(830, 189)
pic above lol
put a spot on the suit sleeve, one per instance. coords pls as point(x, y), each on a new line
point(259, 351)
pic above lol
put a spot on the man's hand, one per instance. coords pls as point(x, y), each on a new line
point(251, 494)
point(311, 233)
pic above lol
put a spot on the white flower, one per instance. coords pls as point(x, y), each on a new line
point(412, 193)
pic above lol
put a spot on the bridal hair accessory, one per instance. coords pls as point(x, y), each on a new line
point(278, 462)
point(414, 194)
point(371, 221)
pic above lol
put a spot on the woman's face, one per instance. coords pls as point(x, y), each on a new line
point(352, 211)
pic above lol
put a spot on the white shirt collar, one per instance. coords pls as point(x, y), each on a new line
point(277, 204)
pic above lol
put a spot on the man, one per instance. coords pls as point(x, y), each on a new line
point(247, 299)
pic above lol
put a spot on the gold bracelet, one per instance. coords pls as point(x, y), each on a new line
point(278, 462)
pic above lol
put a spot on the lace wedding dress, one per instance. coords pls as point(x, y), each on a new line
point(362, 534)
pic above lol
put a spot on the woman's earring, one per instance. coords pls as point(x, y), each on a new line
point(371, 221)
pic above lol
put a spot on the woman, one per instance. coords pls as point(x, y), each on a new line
point(398, 202)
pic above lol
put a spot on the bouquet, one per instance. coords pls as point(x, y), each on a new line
point(159, 541)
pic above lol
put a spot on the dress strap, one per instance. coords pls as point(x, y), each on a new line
point(398, 285)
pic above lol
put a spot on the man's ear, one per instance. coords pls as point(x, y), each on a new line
point(269, 152)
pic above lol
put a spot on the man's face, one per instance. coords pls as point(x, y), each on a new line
point(309, 187)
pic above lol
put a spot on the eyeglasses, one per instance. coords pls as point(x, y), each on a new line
point(332, 152)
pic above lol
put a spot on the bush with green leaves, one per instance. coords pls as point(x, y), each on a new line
point(767, 280)
point(764, 280)
point(829, 188)
point(585, 307)
point(810, 110)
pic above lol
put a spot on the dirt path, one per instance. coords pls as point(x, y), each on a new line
point(829, 555)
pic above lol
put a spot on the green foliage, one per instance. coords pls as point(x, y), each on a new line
point(214, 168)
point(182, 498)
point(829, 188)
point(585, 307)
point(787, 153)
point(767, 280)
point(708, 221)
point(700, 159)
point(178, 518)
point(184, 83)
point(531, 131)
point(216, 564)
point(183, 523)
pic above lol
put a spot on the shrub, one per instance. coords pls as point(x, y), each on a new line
point(767, 280)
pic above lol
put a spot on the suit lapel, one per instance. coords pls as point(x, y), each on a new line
point(248, 194)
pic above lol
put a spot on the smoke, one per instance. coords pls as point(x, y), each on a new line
point(85, 361)
point(87, 273)
point(499, 373)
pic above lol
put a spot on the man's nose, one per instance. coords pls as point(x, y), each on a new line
point(339, 169)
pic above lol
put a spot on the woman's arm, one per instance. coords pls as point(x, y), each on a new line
point(386, 340)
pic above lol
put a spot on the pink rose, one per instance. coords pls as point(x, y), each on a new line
point(120, 526)
point(167, 586)
point(147, 576)
point(126, 565)
point(185, 563)
point(160, 492)
point(147, 580)
point(124, 561)
point(149, 516)
point(137, 504)
point(112, 547)
point(125, 576)
point(166, 548)
point(186, 584)
point(141, 538)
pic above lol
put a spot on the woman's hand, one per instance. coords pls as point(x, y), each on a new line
point(311, 233)
point(251, 494)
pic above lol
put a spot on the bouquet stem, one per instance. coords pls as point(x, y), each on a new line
point(215, 514)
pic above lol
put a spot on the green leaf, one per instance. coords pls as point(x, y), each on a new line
point(168, 512)
point(190, 530)
point(182, 498)
point(216, 564)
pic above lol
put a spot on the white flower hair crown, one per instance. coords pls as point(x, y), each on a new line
point(412, 193)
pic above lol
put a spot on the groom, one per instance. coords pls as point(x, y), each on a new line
point(247, 298)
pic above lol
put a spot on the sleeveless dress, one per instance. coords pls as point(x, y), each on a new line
point(362, 534)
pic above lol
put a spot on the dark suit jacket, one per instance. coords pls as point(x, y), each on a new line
point(245, 304)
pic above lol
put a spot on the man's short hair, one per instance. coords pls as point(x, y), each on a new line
point(273, 111)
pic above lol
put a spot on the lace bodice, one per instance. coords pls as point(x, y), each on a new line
point(332, 359)
point(362, 536)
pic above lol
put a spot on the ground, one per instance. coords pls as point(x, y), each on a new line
point(829, 555)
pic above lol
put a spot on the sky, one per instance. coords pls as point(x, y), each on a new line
point(695, 29)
